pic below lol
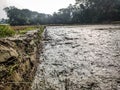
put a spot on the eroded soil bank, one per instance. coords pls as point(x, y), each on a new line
point(83, 57)
point(19, 60)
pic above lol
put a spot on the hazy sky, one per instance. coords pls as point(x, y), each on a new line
point(43, 6)
point(3, 4)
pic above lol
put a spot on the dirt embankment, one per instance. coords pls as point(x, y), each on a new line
point(18, 61)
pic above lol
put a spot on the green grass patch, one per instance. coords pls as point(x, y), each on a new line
point(6, 31)
point(41, 30)
point(25, 30)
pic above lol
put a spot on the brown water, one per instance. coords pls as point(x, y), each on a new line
point(85, 57)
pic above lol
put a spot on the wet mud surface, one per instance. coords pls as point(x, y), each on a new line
point(85, 57)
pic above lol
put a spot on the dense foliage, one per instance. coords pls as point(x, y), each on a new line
point(25, 17)
point(97, 11)
point(83, 12)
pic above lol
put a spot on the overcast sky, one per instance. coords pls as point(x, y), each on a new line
point(3, 4)
point(42, 6)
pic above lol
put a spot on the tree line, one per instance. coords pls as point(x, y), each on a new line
point(82, 12)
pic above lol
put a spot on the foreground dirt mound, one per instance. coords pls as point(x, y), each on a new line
point(18, 61)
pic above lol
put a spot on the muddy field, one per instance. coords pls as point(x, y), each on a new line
point(85, 57)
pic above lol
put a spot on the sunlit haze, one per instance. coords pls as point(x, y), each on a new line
point(42, 6)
